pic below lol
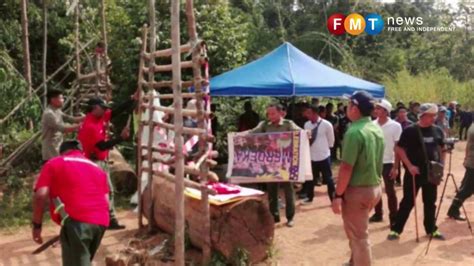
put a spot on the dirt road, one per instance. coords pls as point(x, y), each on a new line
point(317, 239)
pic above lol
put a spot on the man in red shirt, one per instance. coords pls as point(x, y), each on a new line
point(67, 179)
point(96, 145)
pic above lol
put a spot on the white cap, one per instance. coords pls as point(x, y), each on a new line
point(428, 108)
point(385, 105)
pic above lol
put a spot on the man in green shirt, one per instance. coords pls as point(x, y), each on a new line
point(53, 126)
point(467, 185)
point(276, 123)
point(358, 186)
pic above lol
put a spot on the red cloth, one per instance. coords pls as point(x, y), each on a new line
point(80, 184)
point(222, 189)
point(92, 131)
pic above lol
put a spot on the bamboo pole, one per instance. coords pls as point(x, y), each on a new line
point(76, 45)
point(45, 48)
point(166, 84)
point(106, 49)
point(26, 45)
point(178, 123)
point(201, 116)
point(140, 128)
point(151, 78)
point(27, 98)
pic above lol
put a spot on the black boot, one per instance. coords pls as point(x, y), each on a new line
point(453, 211)
point(114, 225)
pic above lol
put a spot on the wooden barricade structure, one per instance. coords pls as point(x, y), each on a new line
point(169, 164)
point(174, 168)
point(95, 83)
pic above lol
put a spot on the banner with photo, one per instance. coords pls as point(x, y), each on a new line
point(269, 157)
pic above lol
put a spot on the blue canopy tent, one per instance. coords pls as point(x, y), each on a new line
point(286, 72)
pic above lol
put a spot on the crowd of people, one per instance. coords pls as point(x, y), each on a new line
point(372, 140)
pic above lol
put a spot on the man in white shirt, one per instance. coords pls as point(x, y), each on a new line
point(321, 142)
point(391, 131)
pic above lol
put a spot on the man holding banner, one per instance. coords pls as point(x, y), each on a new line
point(276, 123)
point(358, 186)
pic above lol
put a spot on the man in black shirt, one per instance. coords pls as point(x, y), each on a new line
point(410, 151)
point(249, 119)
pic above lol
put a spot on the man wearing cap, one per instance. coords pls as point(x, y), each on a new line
point(411, 151)
point(358, 186)
point(53, 126)
point(442, 120)
point(96, 145)
point(64, 180)
point(391, 132)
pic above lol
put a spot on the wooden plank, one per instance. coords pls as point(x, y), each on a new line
point(167, 52)
point(172, 110)
point(140, 127)
point(166, 84)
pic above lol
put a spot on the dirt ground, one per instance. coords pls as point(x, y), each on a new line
point(317, 239)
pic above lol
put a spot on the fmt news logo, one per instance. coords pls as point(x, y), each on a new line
point(355, 24)
point(373, 24)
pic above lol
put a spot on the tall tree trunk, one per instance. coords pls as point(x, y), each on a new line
point(26, 45)
point(45, 48)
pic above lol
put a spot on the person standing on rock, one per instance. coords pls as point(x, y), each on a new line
point(358, 186)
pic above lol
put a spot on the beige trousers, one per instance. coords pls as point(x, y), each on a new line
point(357, 204)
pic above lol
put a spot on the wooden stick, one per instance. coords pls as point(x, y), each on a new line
point(416, 213)
point(26, 44)
point(45, 49)
point(201, 116)
point(167, 68)
point(186, 182)
point(186, 130)
point(170, 96)
point(140, 128)
point(167, 52)
point(166, 84)
point(172, 110)
point(94, 74)
point(178, 122)
point(151, 78)
point(27, 98)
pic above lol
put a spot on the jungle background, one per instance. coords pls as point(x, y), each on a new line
point(421, 66)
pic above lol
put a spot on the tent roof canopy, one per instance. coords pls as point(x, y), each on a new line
point(287, 71)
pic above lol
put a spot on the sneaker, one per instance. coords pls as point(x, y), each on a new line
point(114, 225)
point(393, 235)
point(455, 215)
point(307, 201)
point(376, 218)
point(437, 235)
point(302, 196)
point(290, 223)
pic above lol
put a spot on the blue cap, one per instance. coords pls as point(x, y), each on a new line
point(364, 100)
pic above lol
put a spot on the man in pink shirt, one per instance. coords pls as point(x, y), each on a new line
point(81, 186)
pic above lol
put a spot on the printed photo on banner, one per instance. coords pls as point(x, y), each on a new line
point(268, 157)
